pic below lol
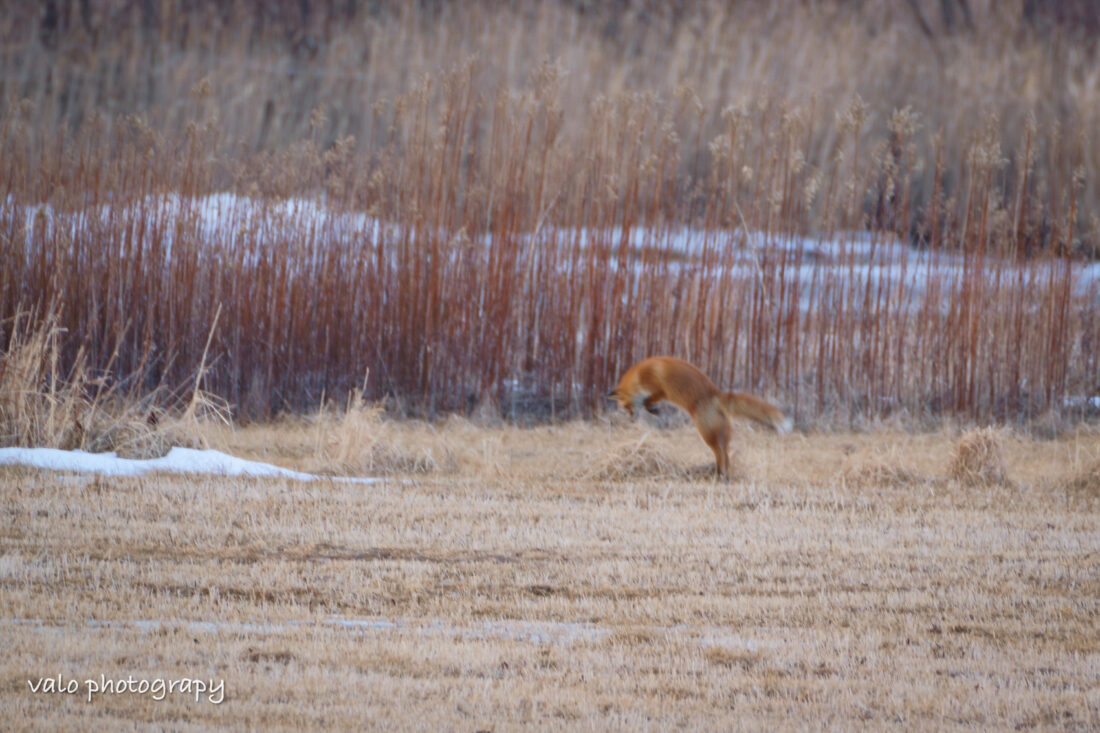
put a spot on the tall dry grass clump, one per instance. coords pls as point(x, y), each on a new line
point(638, 457)
point(1086, 483)
point(881, 471)
point(508, 206)
point(361, 442)
point(644, 455)
point(46, 403)
point(978, 458)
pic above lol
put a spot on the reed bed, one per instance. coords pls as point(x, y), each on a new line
point(469, 208)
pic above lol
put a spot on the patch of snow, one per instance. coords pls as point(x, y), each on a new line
point(310, 234)
point(540, 633)
point(178, 461)
point(365, 624)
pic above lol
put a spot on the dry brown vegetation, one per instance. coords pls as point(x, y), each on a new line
point(978, 458)
point(863, 210)
point(483, 139)
point(497, 589)
point(43, 404)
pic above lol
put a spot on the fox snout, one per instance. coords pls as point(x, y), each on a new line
point(623, 402)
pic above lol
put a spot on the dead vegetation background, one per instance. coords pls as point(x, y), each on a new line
point(409, 183)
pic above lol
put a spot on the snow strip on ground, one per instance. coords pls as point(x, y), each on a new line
point(178, 460)
point(542, 633)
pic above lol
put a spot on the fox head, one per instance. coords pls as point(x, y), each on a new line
point(624, 401)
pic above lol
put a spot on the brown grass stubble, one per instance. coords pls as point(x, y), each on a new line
point(513, 592)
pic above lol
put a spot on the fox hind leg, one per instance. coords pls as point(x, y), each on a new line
point(722, 452)
point(719, 442)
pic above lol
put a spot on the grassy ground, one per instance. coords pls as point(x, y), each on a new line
point(589, 575)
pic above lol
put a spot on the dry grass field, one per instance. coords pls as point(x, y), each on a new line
point(581, 576)
point(883, 216)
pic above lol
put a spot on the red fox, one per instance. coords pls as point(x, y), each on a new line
point(667, 378)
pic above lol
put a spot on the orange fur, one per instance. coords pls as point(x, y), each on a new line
point(668, 378)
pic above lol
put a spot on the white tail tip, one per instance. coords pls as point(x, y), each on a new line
point(784, 426)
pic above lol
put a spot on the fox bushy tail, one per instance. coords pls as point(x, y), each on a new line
point(743, 404)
